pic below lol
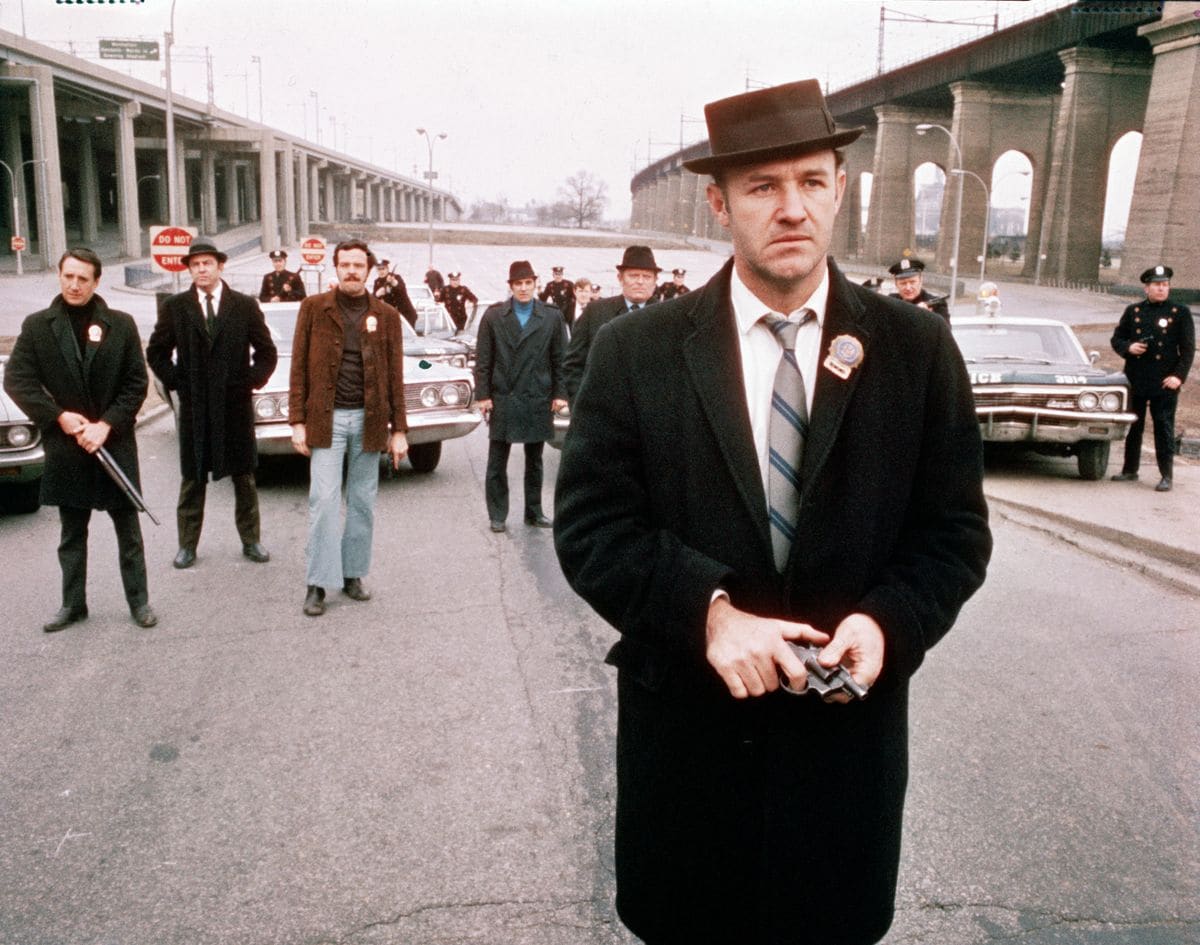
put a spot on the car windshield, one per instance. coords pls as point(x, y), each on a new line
point(1043, 344)
point(420, 293)
point(283, 326)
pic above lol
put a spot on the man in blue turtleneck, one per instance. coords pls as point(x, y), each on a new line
point(519, 385)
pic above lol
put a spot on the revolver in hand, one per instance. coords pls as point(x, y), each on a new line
point(822, 680)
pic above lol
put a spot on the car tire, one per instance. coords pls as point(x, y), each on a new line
point(1093, 459)
point(25, 497)
point(425, 456)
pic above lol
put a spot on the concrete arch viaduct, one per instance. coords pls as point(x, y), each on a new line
point(1062, 89)
point(90, 144)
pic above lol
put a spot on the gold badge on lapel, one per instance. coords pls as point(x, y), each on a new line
point(372, 323)
point(95, 333)
point(845, 354)
point(1163, 323)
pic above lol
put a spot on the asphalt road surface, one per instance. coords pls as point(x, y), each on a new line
point(435, 766)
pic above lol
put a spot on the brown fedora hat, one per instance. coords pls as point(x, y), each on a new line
point(769, 124)
point(639, 257)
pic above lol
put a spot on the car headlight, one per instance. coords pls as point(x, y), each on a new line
point(1111, 402)
point(1088, 400)
point(19, 436)
point(430, 397)
point(270, 408)
point(451, 396)
point(459, 360)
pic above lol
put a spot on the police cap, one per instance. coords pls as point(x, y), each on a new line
point(1158, 273)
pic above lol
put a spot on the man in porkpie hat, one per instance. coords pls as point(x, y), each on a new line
point(560, 293)
point(455, 297)
point(777, 457)
point(211, 345)
point(1157, 339)
point(280, 285)
point(519, 386)
point(908, 272)
point(668, 290)
point(389, 287)
point(638, 274)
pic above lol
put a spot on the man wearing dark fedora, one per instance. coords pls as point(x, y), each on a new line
point(776, 457)
point(211, 345)
point(280, 285)
point(908, 273)
point(518, 386)
point(1157, 339)
point(638, 275)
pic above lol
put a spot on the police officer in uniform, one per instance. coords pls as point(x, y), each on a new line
point(455, 297)
point(907, 273)
point(281, 285)
point(389, 287)
point(1157, 339)
point(668, 290)
point(559, 292)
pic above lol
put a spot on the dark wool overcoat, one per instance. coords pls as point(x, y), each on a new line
point(48, 374)
point(774, 819)
point(317, 360)
point(215, 379)
point(520, 370)
point(1170, 337)
point(597, 314)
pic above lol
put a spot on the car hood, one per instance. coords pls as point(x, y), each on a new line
point(416, 370)
point(1033, 372)
point(425, 347)
point(9, 411)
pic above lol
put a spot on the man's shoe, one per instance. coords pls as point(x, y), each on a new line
point(1164, 485)
point(144, 617)
point(64, 618)
point(184, 558)
point(256, 552)
point(537, 520)
point(498, 526)
point(1125, 477)
point(314, 601)
point(354, 589)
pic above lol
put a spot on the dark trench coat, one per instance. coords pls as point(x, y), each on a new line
point(521, 372)
point(47, 374)
point(215, 379)
point(777, 819)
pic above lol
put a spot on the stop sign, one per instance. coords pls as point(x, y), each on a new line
point(312, 250)
point(18, 244)
point(168, 245)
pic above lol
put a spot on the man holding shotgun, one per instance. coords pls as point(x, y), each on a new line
point(77, 371)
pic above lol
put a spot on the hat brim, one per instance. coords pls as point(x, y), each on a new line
point(712, 162)
point(220, 256)
point(646, 268)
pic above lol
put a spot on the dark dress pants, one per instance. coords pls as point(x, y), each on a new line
point(72, 556)
point(189, 514)
point(1162, 414)
point(496, 483)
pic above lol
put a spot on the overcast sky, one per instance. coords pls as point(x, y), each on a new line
point(528, 91)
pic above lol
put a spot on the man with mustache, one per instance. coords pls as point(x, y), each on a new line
point(776, 458)
point(345, 404)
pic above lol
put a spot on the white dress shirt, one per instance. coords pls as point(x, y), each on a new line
point(761, 353)
point(215, 293)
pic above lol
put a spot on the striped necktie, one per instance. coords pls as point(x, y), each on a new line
point(788, 428)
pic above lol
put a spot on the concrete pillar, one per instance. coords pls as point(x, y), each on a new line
point(208, 190)
point(89, 190)
point(301, 171)
point(128, 211)
point(369, 200)
point(268, 208)
point(252, 187)
point(160, 188)
point(1098, 90)
point(233, 207)
point(43, 128)
point(288, 162)
point(15, 157)
point(847, 241)
point(181, 183)
point(898, 152)
point(330, 198)
point(689, 187)
point(314, 191)
point(673, 217)
point(1164, 219)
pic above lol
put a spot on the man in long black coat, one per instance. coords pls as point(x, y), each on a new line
point(77, 371)
point(212, 345)
point(744, 813)
point(519, 385)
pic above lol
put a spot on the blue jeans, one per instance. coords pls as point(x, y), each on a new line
point(334, 553)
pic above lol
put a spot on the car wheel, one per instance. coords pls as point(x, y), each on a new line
point(1093, 459)
point(425, 456)
point(25, 497)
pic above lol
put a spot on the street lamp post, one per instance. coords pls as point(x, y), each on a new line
point(172, 200)
point(316, 112)
point(987, 217)
point(921, 129)
point(16, 212)
point(430, 177)
point(258, 59)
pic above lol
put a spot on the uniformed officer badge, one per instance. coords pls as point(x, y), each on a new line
point(1163, 322)
point(95, 333)
point(372, 323)
point(845, 354)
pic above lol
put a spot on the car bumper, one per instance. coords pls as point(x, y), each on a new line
point(22, 466)
point(275, 439)
point(1017, 424)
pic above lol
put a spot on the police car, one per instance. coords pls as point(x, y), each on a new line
point(21, 456)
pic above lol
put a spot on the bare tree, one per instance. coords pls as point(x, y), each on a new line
point(586, 197)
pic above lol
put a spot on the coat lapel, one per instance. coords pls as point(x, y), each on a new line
point(224, 310)
point(714, 361)
point(90, 350)
point(68, 346)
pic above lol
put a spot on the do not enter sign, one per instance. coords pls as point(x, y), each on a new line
point(312, 250)
point(168, 245)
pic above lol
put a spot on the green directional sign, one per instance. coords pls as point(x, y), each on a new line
point(128, 49)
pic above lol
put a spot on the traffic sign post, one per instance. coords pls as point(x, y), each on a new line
point(312, 250)
point(168, 246)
